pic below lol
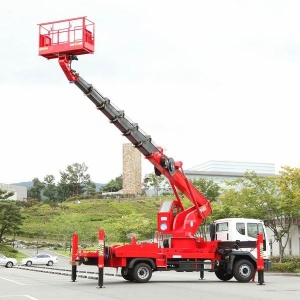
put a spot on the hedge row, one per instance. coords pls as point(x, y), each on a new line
point(289, 264)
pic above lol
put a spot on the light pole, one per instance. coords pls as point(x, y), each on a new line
point(37, 245)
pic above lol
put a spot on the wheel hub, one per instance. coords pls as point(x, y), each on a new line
point(244, 271)
point(143, 273)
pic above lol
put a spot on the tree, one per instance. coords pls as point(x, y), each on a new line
point(207, 187)
point(50, 188)
point(4, 194)
point(114, 185)
point(90, 188)
point(211, 191)
point(272, 199)
point(36, 191)
point(76, 178)
point(289, 185)
point(10, 217)
point(133, 225)
point(63, 188)
point(157, 182)
point(288, 209)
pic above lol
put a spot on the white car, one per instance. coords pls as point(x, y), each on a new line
point(40, 259)
point(7, 261)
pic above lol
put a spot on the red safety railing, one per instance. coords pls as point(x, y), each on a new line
point(66, 37)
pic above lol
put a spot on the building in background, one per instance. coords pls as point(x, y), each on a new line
point(132, 170)
point(20, 192)
point(236, 166)
point(221, 171)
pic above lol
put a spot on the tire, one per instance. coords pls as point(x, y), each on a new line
point(50, 263)
point(9, 264)
point(222, 275)
point(28, 263)
point(127, 275)
point(142, 272)
point(243, 270)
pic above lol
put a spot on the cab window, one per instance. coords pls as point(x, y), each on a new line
point(253, 229)
point(261, 229)
point(222, 227)
point(240, 227)
point(166, 206)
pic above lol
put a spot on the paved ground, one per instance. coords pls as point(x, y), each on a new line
point(17, 284)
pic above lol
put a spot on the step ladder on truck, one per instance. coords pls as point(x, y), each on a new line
point(237, 247)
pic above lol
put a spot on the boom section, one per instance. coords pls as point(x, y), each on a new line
point(117, 117)
point(163, 165)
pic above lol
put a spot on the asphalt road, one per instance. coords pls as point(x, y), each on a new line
point(18, 284)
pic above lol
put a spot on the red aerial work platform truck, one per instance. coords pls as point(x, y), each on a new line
point(237, 247)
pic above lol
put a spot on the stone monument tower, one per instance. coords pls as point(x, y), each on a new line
point(132, 170)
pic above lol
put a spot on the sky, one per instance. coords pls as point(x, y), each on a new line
point(207, 80)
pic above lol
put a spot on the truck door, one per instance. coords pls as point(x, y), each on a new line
point(222, 231)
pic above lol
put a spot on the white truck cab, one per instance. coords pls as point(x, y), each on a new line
point(237, 246)
point(241, 229)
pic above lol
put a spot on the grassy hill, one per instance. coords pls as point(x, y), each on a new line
point(29, 184)
point(119, 218)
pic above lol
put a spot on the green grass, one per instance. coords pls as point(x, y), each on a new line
point(9, 251)
point(63, 252)
point(48, 225)
point(53, 227)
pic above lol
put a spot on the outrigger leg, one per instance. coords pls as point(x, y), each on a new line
point(74, 273)
point(74, 254)
point(260, 260)
point(260, 275)
point(101, 236)
point(201, 271)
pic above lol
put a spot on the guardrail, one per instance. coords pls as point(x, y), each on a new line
point(65, 272)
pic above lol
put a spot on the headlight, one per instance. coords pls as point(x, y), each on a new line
point(163, 226)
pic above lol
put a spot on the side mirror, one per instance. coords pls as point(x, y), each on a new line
point(212, 231)
point(264, 245)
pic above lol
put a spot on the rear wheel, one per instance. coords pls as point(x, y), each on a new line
point(222, 275)
point(28, 263)
point(243, 270)
point(142, 272)
point(127, 274)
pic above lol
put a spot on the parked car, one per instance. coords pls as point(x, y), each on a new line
point(7, 261)
point(40, 259)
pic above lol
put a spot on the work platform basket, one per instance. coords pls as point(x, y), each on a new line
point(71, 36)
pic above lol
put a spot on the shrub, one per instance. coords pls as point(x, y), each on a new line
point(289, 264)
point(284, 267)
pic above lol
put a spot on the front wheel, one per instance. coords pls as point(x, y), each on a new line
point(243, 270)
point(142, 272)
point(50, 263)
point(9, 264)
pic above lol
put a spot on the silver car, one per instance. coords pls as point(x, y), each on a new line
point(40, 259)
point(7, 261)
